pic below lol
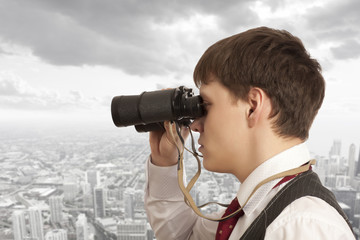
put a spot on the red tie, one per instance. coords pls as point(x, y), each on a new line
point(225, 227)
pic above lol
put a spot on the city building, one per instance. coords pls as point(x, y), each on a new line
point(348, 197)
point(99, 202)
point(341, 181)
point(56, 234)
point(55, 203)
point(335, 148)
point(334, 165)
point(85, 188)
point(132, 230)
point(87, 194)
point(351, 162)
point(356, 181)
point(18, 223)
point(150, 232)
point(119, 202)
point(93, 178)
point(357, 171)
point(36, 223)
point(129, 203)
point(70, 191)
point(82, 232)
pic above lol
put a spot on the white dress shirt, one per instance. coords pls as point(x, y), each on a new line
point(305, 218)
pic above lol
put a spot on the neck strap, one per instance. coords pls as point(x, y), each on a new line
point(186, 190)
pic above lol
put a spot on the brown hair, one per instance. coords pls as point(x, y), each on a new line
point(278, 63)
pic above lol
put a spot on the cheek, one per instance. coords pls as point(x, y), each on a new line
point(229, 133)
point(223, 132)
point(221, 152)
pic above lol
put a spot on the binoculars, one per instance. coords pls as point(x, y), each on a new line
point(149, 110)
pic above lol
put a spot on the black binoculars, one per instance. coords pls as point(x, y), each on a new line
point(149, 110)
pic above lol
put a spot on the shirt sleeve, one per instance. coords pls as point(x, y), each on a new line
point(169, 216)
point(309, 218)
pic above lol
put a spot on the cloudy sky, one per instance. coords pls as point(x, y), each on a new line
point(63, 61)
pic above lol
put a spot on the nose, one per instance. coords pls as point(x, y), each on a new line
point(197, 125)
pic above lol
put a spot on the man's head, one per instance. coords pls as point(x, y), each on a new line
point(276, 62)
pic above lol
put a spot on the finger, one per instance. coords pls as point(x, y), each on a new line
point(168, 136)
point(155, 139)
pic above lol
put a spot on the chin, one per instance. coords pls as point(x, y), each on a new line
point(208, 165)
point(205, 163)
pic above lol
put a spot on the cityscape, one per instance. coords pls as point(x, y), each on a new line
point(80, 185)
point(67, 173)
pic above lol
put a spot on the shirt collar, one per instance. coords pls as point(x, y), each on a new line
point(288, 159)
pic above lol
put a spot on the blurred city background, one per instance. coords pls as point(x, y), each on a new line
point(90, 185)
point(68, 173)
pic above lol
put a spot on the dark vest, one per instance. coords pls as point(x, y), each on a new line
point(306, 184)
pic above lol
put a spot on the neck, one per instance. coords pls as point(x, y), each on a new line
point(265, 149)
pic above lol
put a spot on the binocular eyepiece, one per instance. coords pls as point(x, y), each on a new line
point(149, 110)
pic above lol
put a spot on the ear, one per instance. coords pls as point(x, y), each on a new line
point(256, 105)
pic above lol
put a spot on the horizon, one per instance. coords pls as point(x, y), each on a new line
point(14, 131)
point(62, 62)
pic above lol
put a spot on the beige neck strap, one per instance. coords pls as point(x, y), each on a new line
point(186, 190)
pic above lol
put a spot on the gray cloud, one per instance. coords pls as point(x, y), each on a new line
point(137, 37)
point(349, 49)
point(336, 22)
point(2, 51)
point(8, 88)
point(11, 85)
point(340, 15)
point(121, 34)
point(17, 94)
point(275, 4)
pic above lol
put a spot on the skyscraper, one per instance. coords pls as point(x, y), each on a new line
point(57, 234)
point(335, 148)
point(132, 229)
point(82, 228)
point(352, 162)
point(88, 199)
point(99, 202)
point(357, 171)
point(70, 191)
point(36, 223)
point(93, 177)
point(19, 227)
point(129, 203)
point(55, 203)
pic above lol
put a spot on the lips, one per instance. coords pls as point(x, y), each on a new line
point(200, 146)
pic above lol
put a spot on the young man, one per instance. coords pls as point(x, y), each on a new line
point(261, 92)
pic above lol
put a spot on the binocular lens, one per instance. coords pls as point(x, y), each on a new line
point(148, 109)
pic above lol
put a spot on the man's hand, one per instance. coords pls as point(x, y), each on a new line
point(163, 148)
